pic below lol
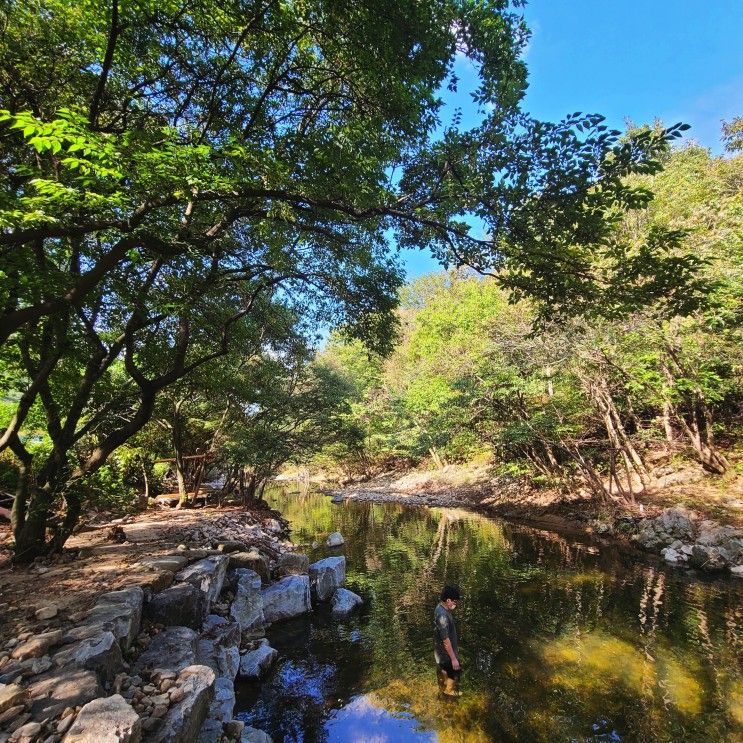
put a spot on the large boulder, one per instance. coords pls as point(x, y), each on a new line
point(247, 608)
point(344, 602)
point(708, 559)
point(251, 560)
point(218, 647)
point(173, 649)
point(119, 612)
point(106, 720)
point(183, 605)
point(292, 563)
point(66, 687)
point(678, 522)
point(255, 664)
point(184, 720)
point(207, 575)
point(326, 576)
point(99, 654)
point(287, 598)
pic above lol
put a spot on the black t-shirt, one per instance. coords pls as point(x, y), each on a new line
point(444, 627)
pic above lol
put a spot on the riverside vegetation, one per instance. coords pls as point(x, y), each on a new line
point(188, 195)
point(192, 194)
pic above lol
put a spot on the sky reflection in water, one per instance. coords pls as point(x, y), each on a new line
point(561, 640)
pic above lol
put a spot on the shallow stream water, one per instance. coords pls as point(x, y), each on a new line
point(561, 639)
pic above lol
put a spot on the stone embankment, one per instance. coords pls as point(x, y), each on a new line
point(684, 539)
point(157, 664)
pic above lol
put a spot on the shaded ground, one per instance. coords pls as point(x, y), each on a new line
point(104, 556)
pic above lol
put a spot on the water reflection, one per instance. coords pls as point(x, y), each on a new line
point(561, 640)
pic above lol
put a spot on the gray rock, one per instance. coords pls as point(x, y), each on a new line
point(207, 575)
point(223, 705)
point(253, 735)
point(326, 576)
point(252, 560)
point(183, 605)
point(57, 690)
point(169, 563)
point(247, 608)
point(287, 598)
point(272, 526)
point(99, 654)
point(292, 563)
point(256, 663)
point(46, 612)
point(672, 557)
point(218, 648)
point(173, 649)
point(707, 558)
point(678, 522)
point(106, 720)
point(211, 731)
point(119, 612)
point(335, 540)
point(737, 571)
point(344, 602)
point(183, 721)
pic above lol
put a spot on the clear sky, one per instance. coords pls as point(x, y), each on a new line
point(677, 61)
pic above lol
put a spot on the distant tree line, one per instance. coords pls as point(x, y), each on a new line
point(596, 395)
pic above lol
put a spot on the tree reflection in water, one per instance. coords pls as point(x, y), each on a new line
point(561, 639)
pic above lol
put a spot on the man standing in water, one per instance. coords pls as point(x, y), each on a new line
point(446, 646)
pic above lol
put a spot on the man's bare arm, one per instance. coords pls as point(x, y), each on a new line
point(452, 655)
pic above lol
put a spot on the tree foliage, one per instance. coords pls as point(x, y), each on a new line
point(175, 173)
point(590, 396)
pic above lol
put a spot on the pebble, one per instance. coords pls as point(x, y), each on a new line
point(166, 684)
point(64, 724)
point(176, 695)
point(28, 731)
point(160, 710)
point(46, 612)
point(10, 713)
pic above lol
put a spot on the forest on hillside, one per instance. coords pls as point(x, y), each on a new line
point(598, 399)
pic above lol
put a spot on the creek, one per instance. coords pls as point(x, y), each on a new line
point(562, 639)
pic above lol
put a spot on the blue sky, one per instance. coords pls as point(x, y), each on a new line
point(677, 61)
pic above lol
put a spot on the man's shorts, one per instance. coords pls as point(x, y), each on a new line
point(446, 667)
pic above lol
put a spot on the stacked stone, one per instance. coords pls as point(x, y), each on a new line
point(109, 678)
point(685, 540)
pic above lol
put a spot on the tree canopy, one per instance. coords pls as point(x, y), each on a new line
point(175, 173)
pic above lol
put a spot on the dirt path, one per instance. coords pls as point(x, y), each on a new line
point(105, 555)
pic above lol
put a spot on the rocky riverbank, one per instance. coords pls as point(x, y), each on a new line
point(683, 537)
point(156, 660)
